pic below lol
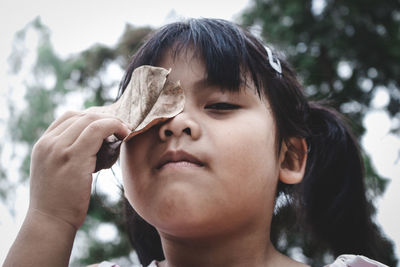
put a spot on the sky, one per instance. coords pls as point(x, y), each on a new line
point(76, 25)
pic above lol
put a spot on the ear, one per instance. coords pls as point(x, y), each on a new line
point(293, 158)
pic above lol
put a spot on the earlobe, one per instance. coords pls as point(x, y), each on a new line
point(293, 158)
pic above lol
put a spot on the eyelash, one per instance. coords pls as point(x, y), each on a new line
point(222, 106)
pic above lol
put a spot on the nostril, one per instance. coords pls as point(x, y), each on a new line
point(187, 131)
point(168, 133)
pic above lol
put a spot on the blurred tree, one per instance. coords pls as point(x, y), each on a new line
point(53, 84)
point(4, 186)
point(344, 51)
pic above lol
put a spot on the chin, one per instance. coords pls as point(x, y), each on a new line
point(177, 211)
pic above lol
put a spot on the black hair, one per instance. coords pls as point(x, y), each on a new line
point(332, 195)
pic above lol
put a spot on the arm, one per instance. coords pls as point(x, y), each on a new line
point(42, 241)
point(62, 164)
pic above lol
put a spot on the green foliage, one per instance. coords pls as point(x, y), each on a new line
point(4, 187)
point(103, 211)
point(82, 74)
point(362, 35)
point(343, 51)
point(130, 41)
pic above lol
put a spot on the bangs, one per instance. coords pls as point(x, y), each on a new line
point(220, 47)
point(231, 56)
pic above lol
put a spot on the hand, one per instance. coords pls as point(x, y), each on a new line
point(63, 161)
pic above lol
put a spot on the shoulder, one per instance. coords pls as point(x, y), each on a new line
point(111, 264)
point(355, 261)
point(104, 264)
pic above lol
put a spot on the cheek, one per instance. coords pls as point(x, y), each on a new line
point(250, 160)
point(134, 167)
point(129, 170)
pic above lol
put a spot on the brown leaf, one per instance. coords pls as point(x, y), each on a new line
point(150, 98)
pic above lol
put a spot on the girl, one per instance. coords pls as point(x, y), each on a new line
point(201, 188)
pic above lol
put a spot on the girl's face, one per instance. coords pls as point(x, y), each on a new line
point(210, 170)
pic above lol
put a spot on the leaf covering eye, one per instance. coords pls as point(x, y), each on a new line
point(222, 106)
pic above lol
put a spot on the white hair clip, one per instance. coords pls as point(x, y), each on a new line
point(273, 61)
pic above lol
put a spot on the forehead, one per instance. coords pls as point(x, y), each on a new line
point(184, 66)
point(190, 69)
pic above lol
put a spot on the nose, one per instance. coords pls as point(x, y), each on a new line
point(180, 125)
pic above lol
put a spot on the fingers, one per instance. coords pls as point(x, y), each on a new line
point(81, 134)
point(65, 117)
point(63, 161)
point(91, 138)
point(71, 129)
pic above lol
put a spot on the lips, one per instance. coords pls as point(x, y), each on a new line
point(178, 156)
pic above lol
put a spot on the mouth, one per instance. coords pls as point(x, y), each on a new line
point(179, 158)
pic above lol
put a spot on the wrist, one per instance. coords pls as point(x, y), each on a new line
point(50, 222)
point(43, 240)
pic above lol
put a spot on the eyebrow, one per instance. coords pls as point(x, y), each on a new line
point(205, 83)
point(201, 84)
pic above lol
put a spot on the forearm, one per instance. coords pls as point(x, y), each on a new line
point(62, 163)
point(42, 241)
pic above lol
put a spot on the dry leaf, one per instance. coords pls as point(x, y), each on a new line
point(149, 98)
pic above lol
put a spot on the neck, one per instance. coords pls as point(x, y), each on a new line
point(247, 249)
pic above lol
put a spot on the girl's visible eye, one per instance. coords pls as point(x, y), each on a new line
point(222, 106)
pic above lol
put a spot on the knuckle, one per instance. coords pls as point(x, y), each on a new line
point(65, 155)
point(113, 122)
point(94, 127)
point(98, 116)
point(47, 150)
point(59, 153)
point(91, 116)
point(69, 114)
point(43, 145)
